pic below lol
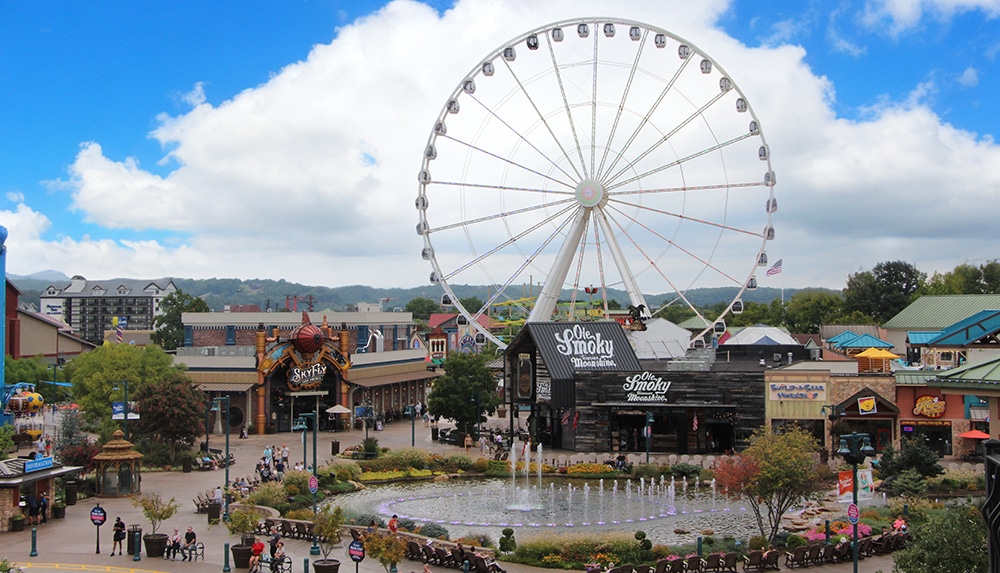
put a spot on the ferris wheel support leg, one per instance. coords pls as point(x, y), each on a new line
point(549, 295)
point(634, 294)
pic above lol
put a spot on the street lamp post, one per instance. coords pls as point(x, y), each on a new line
point(225, 490)
point(314, 549)
point(125, 386)
point(479, 414)
point(854, 448)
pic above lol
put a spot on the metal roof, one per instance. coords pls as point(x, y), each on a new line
point(983, 324)
point(916, 338)
point(864, 341)
point(568, 347)
point(939, 312)
point(843, 336)
point(971, 376)
point(829, 331)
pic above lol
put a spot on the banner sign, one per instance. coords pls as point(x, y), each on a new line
point(118, 411)
point(845, 486)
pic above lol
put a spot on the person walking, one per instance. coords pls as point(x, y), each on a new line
point(468, 443)
point(273, 541)
point(43, 507)
point(119, 536)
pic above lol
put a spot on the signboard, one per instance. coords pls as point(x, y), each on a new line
point(98, 516)
point(929, 406)
point(37, 464)
point(585, 348)
point(845, 486)
point(306, 376)
point(357, 551)
point(867, 405)
point(645, 387)
point(853, 513)
point(313, 484)
point(804, 391)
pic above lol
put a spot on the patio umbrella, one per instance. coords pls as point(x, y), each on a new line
point(338, 409)
point(974, 435)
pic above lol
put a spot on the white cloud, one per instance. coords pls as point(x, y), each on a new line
point(969, 77)
point(898, 16)
point(15, 197)
point(311, 176)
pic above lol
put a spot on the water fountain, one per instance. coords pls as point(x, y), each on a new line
point(545, 504)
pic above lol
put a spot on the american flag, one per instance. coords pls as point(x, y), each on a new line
point(775, 268)
point(565, 417)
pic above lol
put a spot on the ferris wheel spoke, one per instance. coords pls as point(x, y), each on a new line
point(521, 137)
point(543, 119)
point(685, 218)
point(549, 295)
point(593, 106)
point(500, 187)
point(670, 242)
point(600, 269)
point(718, 186)
point(682, 160)
point(510, 241)
point(621, 104)
point(579, 268)
point(507, 161)
point(618, 256)
point(569, 114)
point(656, 267)
point(496, 216)
point(645, 119)
point(666, 137)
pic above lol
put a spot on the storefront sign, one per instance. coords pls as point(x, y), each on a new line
point(797, 392)
point(586, 349)
point(867, 405)
point(37, 464)
point(645, 387)
point(929, 406)
point(312, 374)
point(543, 391)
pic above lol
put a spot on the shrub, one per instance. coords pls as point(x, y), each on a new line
point(296, 482)
point(496, 468)
point(507, 542)
point(909, 483)
point(757, 542)
point(303, 514)
point(345, 472)
point(480, 465)
point(370, 445)
point(649, 471)
point(589, 469)
point(271, 494)
point(794, 541)
point(686, 470)
point(434, 530)
point(706, 475)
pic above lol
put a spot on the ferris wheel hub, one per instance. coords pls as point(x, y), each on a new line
point(590, 193)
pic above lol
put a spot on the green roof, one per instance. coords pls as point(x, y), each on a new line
point(942, 311)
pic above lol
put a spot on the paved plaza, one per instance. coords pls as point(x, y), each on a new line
point(70, 543)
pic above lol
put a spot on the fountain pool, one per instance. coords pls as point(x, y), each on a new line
point(544, 505)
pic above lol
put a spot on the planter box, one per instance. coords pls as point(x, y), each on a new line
point(58, 512)
point(17, 524)
point(241, 556)
point(326, 566)
point(155, 544)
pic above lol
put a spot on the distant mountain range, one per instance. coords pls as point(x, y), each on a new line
point(281, 295)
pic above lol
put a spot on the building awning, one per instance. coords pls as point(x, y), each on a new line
point(979, 414)
point(12, 472)
point(416, 376)
point(225, 387)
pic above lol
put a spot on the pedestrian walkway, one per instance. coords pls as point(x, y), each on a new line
point(71, 543)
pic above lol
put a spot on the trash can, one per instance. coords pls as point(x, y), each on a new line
point(186, 464)
point(214, 511)
point(335, 447)
point(71, 489)
point(130, 538)
point(434, 434)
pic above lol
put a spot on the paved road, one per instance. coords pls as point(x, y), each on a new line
point(70, 543)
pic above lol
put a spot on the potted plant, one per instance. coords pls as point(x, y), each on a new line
point(386, 549)
point(156, 510)
point(242, 522)
point(58, 509)
point(17, 522)
point(326, 526)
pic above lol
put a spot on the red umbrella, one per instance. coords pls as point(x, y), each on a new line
point(974, 435)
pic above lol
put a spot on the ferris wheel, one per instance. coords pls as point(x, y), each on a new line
point(595, 156)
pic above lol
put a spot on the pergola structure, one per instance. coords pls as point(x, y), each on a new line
point(118, 468)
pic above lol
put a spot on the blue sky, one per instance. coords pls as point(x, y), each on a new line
point(281, 139)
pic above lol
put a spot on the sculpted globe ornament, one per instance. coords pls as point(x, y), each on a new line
point(307, 338)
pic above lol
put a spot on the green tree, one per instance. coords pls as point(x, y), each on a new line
point(808, 309)
point(454, 394)
point(6, 440)
point(422, 308)
point(471, 303)
point(773, 474)
point(884, 291)
point(168, 327)
point(172, 412)
point(950, 541)
point(913, 454)
point(35, 370)
point(96, 374)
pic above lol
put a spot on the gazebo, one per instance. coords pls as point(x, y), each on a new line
point(875, 360)
point(117, 468)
